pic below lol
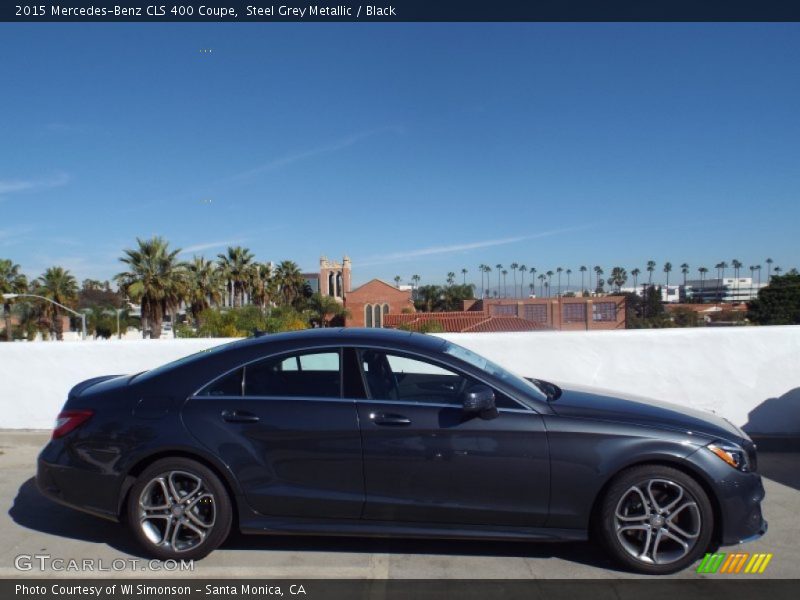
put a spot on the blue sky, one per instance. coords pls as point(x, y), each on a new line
point(413, 148)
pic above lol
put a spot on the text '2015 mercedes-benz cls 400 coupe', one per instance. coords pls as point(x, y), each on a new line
point(378, 432)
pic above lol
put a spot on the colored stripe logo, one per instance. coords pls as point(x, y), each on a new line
point(734, 563)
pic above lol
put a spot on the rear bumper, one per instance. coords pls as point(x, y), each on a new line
point(80, 489)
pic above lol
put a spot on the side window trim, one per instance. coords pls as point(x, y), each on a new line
point(337, 348)
point(520, 407)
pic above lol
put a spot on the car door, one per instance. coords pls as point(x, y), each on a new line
point(426, 460)
point(288, 436)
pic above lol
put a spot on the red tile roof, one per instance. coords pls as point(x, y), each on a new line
point(458, 321)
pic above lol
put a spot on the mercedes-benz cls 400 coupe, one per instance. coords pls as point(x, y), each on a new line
point(386, 433)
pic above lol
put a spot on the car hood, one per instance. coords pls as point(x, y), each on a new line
point(589, 403)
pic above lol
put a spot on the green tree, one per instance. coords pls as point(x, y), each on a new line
point(559, 270)
point(326, 311)
point(618, 277)
point(651, 266)
point(397, 280)
point(583, 270)
point(779, 302)
point(206, 286)
point(290, 283)
point(464, 274)
point(58, 285)
point(12, 281)
point(514, 267)
point(635, 274)
point(235, 265)
point(154, 279)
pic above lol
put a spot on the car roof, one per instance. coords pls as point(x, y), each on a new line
point(349, 335)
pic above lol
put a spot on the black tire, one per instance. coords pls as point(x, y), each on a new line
point(642, 521)
point(179, 509)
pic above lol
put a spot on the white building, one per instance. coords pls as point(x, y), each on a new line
point(727, 289)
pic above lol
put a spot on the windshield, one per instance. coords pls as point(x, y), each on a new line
point(184, 360)
point(495, 370)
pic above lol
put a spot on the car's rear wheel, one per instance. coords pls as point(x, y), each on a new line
point(179, 509)
point(655, 519)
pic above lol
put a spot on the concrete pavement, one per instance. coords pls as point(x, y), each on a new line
point(31, 525)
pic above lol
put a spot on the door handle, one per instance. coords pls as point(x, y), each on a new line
point(389, 419)
point(238, 416)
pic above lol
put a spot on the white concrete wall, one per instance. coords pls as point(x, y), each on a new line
point(751, 375)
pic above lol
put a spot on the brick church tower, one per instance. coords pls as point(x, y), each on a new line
point(334, 278)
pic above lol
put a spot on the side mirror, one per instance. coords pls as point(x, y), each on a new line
point(479, 399)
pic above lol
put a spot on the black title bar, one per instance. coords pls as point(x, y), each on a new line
point(402, 11)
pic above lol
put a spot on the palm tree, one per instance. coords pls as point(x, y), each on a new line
point(549, 282)
point(522, 270)
point(777, 271)
point(150, 280)
point(541, 285)
point(635, 274)
point(206, 286)
point(514, 267)
point(464, 273)
point(667, 271)
point(559, 270)
point(236, 266)
point(736, 266)
point(324, 309)
point(702, 271)
point(597, 272)
point(532, 287)
point(618, 277)
point(263, 285)
point(487, 269)
point(569, 273)
point(505, 286)
point(499, 268)
point(416, 279)
point(685, 271)
point(290, 281)
point(769, 262)
point(758, 270)
point(532, 271)
point(12, 281)
point(58, 285)
point(451, 278)
point(720, 267)
point(582, 270)
point(482, 269)
point(397, 280)
point(651, 266)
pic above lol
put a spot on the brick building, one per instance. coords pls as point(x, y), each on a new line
point(524, 314)
point(369, 303)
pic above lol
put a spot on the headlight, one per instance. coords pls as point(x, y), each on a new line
point(732, 454)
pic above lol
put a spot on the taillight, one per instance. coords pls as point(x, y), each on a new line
point(68, 420)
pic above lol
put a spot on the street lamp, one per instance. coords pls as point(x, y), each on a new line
point(68, 309)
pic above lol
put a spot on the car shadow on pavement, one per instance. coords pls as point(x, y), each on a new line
point(34, 511)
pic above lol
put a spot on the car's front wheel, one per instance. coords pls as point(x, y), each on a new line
point(655, 519)
point(179, 509)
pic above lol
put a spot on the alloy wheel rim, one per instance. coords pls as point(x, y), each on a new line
point(177, 511)
point(657, 521)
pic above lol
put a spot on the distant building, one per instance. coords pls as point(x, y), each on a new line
point(368, 304)
point(524, 314)
point(727, 289)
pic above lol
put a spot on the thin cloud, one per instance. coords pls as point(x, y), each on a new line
point(210, 245)
point(11, 186)
point(335, 146)
point(450, 249)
